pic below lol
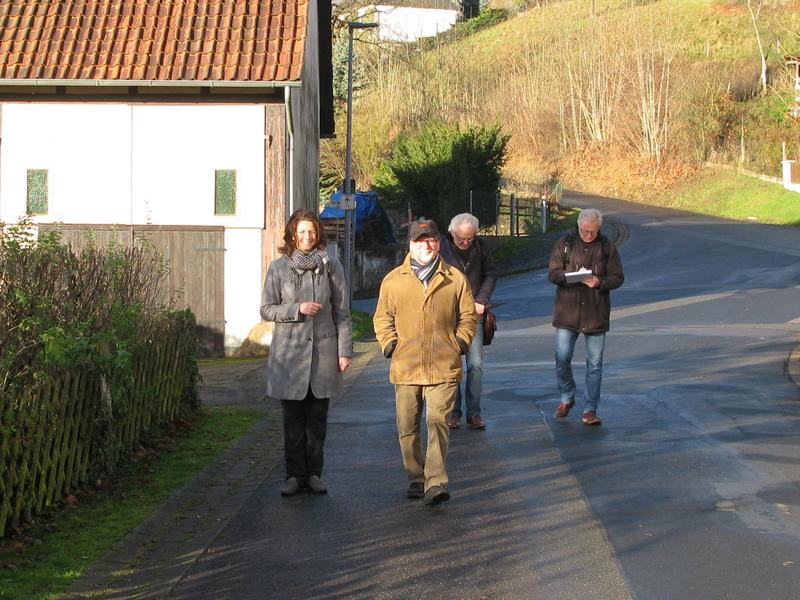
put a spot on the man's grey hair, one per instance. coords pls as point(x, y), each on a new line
point(463, 219)
point(591, 214)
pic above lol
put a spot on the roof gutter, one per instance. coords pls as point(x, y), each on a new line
point(287, 94)
point(147, 83)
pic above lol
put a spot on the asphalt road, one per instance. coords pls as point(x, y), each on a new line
point(690, 489)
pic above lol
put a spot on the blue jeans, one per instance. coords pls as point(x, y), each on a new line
point(474, 377)
point(565, 346)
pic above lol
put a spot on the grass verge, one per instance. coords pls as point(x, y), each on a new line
point(40, 561)
point(362, 325)
point(726, 193)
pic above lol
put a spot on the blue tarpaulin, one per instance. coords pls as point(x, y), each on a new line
point(370, 216)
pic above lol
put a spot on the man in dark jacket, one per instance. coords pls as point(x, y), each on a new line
point(583, 306)
point(470, 254)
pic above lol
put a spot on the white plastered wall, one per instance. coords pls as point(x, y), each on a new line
point(86, 150)
point(242, 284)
point(146, 164)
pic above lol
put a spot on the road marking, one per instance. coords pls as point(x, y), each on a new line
point(634, 311)
point(631, 312)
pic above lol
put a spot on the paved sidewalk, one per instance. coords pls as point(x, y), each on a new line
point(154, 557)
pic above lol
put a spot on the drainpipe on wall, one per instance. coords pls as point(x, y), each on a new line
point(290, 150)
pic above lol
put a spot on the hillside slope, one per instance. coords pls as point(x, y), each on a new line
point(630, 102)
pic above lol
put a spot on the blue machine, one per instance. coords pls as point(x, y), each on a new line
point(371, 219)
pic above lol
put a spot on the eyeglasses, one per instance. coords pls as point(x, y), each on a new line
point(467, 240)
point(589, 232)
point(428, 241)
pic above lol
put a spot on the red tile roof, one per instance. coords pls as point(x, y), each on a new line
point(153, 40)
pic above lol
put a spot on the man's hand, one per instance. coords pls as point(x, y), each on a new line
point(344, 362)
point(480, 308)
point(592, 282)
point(310, 308)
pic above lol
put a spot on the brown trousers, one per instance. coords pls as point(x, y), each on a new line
point(438, 400)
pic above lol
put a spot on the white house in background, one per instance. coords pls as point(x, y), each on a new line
point(408, 20)
point(791, 175)
point(791, 168)
point(195, 124)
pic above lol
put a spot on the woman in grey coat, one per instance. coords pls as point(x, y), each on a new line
point(312, 345)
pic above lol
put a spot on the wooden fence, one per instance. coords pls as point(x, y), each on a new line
point(54, 430)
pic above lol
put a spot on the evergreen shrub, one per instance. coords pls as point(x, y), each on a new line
point(433, 171)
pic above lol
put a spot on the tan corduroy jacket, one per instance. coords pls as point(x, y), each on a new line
point(425, 324)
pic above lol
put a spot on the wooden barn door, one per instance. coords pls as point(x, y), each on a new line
point(197, 277)
point(196, 258)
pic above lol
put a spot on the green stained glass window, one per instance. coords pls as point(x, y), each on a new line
point(224, 192)
point(37, 191)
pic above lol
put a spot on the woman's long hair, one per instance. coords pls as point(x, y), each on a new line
point(290, 230)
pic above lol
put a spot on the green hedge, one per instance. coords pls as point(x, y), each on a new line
point(487, 18)
point(90, 361)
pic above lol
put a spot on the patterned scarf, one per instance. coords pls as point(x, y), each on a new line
point(300, 261)
point(424, 272)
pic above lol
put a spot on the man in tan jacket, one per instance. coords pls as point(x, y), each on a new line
point(425, 321)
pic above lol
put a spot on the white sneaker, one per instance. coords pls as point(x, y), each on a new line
point(316, 485)
point(291, 487)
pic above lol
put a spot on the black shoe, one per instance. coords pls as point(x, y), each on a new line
point(436, 495)
point(416, 490)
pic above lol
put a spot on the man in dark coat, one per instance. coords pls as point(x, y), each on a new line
point(585, 265)
point(463, 249)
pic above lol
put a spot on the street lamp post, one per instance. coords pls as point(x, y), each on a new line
point(348, 160)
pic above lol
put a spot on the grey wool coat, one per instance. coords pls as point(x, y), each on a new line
point(305, 350)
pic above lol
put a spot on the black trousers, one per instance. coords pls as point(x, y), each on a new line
point(305, 423)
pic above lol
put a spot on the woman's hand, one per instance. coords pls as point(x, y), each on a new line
point(344, 362)
point(310, 308)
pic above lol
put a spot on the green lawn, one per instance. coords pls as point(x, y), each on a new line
point(729, 194)
point(362, 325)
point(43, 559)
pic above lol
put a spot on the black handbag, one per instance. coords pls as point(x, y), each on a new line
point(489, 326)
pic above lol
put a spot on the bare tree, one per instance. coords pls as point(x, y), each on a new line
point(651, 96)
point(592, 62)
point(754, 15)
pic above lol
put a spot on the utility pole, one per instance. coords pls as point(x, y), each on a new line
point(349, 194)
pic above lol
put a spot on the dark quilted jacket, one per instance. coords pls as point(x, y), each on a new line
point(576, 306)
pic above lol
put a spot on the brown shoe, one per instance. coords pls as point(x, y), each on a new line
point(563, 409)
point(591, 418)
point(454, 422)
point(475, 422)
point(436, 495)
